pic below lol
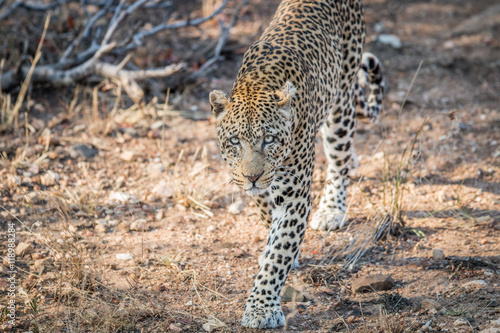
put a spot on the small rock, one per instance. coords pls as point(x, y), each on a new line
point(189, 303)
point(50, 178)
point(124, 256)
point(163, 190)
point(158, 124)
point(53, 155)
point(429, 304)
point(100, 228)
point(391, 40)
point(475, 284)
point(289, 294)
point(427, 327)
point(34, 169)
point(211, 228)
point(160, 213)
point(80, 150)
point(122, 197)
point(448, 45)
point(438, 254)
point(236, 207)
point(37, 255)
point(124, 226)
point(112, 223)
point(155, 169)
point(23, 249)
point(139, 225)
point(127, 155)
point(460, 322)
point(372, 283)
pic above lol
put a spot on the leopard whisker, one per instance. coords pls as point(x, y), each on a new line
point(215, 187)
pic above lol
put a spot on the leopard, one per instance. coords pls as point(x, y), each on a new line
point(306, 74)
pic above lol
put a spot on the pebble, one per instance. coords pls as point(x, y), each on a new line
point(391, 40)
point(155, 169)
point(124, 256)
point(163, 190)
point(438, 254)
point(23, 249)
point(236, 207)
point(289, 294)
point(138, 225)
point(53, 155)
point(127, 155)
point(479, 284)
point(50, 178)
point(160, 213)
point(427, 327)
point(100, 228)
point(122, 197)
point(80, 150)
point(372, 283)
point(158, 124)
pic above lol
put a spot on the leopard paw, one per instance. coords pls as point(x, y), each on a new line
point(258, 317)
point(322, 220)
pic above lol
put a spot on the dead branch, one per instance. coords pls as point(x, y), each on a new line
point(224, 35)
point(107, 30)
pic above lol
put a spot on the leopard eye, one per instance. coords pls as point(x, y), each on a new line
point(234, 141)
point(268, 139)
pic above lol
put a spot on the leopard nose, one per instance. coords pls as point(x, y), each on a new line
point(253, 178)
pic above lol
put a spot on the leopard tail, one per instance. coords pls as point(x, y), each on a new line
point(369, 73)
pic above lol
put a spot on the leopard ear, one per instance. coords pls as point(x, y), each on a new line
point(219, 102)
point(284, 96)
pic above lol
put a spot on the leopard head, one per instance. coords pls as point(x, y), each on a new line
point(254, 129)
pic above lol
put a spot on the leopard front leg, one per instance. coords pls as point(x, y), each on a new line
point(264, 204)
point(337, 135)
point(290, 210)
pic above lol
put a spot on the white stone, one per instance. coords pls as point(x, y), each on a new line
point(476, 284)
point(391, 40)
point(236, 207)
point(138, 225)
point(122, 197)
point(163, 190)
point(438, 254)
point(124, 256)
point(127, 155)
point(155, 169)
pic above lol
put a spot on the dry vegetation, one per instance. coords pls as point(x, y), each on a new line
point(129, 223)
